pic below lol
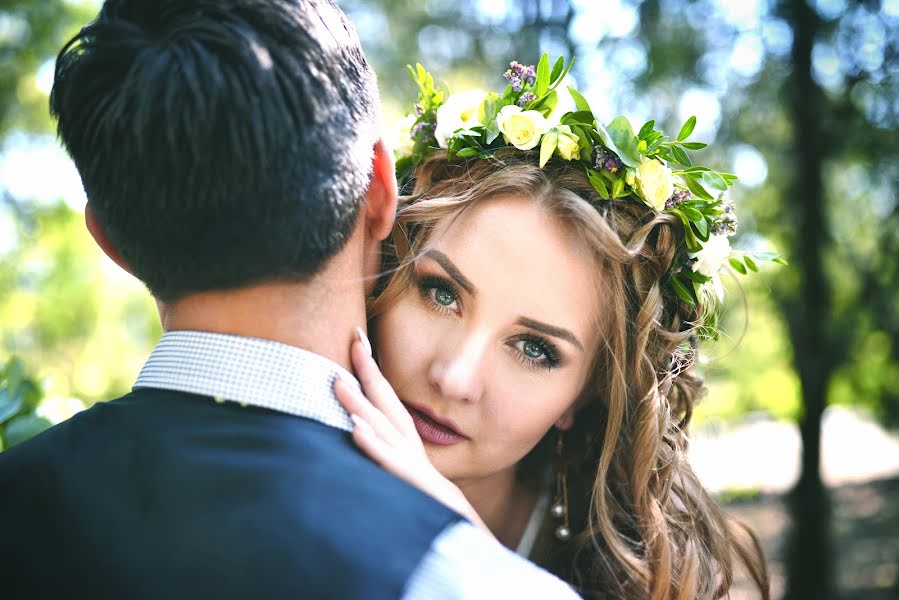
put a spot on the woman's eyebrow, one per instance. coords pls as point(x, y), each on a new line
point(558, 332)
point(451, 269)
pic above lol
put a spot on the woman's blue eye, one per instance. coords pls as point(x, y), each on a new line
point(535, 352)
point(532, 349)
point(443, 297)
point(439, 293)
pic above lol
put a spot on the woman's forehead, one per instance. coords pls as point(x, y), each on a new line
point(513, 249)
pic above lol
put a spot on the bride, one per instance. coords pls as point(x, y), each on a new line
point(548, 285)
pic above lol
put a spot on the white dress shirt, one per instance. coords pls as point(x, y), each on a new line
point(462, 562)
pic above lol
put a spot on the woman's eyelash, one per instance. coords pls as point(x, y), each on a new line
point(551, 357)
point(430, 286)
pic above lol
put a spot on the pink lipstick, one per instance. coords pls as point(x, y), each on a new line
point(432, 430)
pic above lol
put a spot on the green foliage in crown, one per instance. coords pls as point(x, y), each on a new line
point(620, 164)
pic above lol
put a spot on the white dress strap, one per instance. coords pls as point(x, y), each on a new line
point(526, 545)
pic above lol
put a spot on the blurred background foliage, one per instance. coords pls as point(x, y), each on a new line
point(798, 98)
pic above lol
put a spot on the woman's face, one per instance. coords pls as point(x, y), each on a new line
point(492, 344)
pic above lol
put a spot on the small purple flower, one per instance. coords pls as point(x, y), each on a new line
point(423, 126)
point(419, 111)
point(525, 98)
point(606, 160)
point(529, 74)
point(676, 198)
point(727, 224)
point(518, 75)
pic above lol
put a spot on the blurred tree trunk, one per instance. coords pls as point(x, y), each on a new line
point(809, 555)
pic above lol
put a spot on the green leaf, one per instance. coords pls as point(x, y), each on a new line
point(677, 213)
point(682, 291)
point(693, 276)
point(695, 169)
point(489, 108)
point(467, 152)
point(696, 188)
point(548, 145)
point(618, 187)
point(694, 145)
point(491, 132)
point(547, 104)
point(556, 82)
point(580, 118)
point(730, 178)
point(10, 403)
point(586, 148)
point(25, 427)
point(750, 263)
point(680, 155)
point(687, 129)
point(618, 137)
point(701, 227)
point(737, 265)
point(781, 261)
point(542, 83)
point(13, 372)
point(647, 129)
point(692, 213)
point(715, 180)
point(597, 182)
point(690, 240)
point(557, 69)
point(579, 101)
point(654, 141)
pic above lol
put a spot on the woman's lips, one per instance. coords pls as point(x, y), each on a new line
point(433, 431)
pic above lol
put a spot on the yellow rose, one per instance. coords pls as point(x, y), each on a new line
point(521, 128)
point(568, 146)
point(654, 183)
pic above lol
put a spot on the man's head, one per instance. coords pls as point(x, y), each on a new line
point(220, 143)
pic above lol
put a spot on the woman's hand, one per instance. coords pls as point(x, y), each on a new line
point(385, 432)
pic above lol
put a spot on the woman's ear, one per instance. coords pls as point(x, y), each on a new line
point(566, 421)
point(381, 197)
point(99, 234)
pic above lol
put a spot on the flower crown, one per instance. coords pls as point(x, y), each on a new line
point(621, 165)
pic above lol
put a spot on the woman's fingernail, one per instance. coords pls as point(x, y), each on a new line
point(360, 335)
point(360, 423)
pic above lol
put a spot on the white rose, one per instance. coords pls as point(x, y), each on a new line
point(655, 183)
point(711, 257)
point(460, 111)
point(521, 128)
point(403, 142)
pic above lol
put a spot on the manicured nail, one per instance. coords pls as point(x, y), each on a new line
point(360, 423)
point(360, 335)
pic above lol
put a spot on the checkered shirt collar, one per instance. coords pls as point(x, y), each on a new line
point(248, 371)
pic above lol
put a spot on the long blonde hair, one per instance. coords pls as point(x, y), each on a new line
point(647, 528)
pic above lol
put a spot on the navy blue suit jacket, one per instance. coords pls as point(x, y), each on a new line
point(162, 494)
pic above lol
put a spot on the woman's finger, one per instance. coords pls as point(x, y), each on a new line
point(388, 457)
point(376, 387)
point(356, 403)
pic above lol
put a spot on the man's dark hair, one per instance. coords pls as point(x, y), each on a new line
point(221, 143)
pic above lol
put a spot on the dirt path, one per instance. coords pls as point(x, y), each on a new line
point(865, 538)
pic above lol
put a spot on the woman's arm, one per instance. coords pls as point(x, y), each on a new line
point(385, 432)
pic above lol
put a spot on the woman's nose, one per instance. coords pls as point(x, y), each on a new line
point(457, 370)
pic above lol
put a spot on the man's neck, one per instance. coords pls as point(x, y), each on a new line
point(317, 316)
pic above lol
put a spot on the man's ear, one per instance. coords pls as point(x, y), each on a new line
point(380, 200)
point(99, 235)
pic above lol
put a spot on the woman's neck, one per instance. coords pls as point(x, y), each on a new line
point(502, 503)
